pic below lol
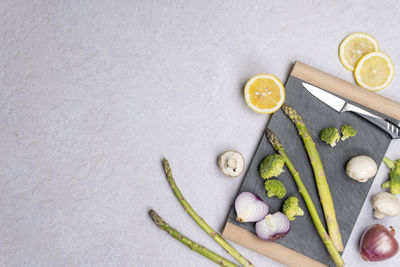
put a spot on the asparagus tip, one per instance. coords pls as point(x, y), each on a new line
point(157, 219)
point(287, 108)
point(270, 134)
point(273, 139)
point(291, 113)
point(165, 164)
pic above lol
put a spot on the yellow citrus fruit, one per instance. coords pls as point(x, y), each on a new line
point(354, 46)
point(264, 93)
point(374, 71)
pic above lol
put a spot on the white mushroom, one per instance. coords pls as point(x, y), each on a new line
point(361, 168)
point(231, 163)
point(385, 204)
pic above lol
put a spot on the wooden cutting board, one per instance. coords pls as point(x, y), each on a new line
point(303, 246)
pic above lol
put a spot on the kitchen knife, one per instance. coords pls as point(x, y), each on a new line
point(341, 106)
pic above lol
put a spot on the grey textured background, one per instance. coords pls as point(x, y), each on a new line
point(348, 195)
point(94, 93)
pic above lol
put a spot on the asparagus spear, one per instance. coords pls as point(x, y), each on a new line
point(320, 178)
point(326, 239)
point(227, 247)
point(189, 243)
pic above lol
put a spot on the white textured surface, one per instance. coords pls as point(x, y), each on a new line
point(94, 93)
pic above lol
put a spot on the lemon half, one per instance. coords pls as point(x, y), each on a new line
point(354, 46)
point(264, 93)
point(374, 71)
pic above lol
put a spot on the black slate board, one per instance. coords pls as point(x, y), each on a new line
point(348, 195)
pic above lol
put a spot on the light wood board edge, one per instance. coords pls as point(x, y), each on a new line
point(346, 90)
point(270, 249)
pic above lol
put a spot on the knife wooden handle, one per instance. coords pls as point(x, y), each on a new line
point(346, 90)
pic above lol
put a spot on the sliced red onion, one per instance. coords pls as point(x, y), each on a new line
point(273, 226)
point(378, 243)
point(250, 207)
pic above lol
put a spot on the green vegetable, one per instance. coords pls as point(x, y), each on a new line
point(319, 175)
point(189, 243)
point(291, 208)
point(347, 131)
point(394, 175)
point(391, 164)
point(271, 165)
point(273, 139)
point(330, 136)
point(275, 188)
point(211, 232)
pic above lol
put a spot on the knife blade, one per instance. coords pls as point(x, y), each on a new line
point(341, 106)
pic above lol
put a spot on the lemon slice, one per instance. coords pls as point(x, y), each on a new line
point(354, 46)
point(264, 93)
point(374, 71)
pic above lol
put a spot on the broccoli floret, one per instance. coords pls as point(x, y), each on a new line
point(272, 165)
point(393, 184)
point(394, 175)
point(391, 164)
point(275, 188)
point(330, 136)
point(347, 131)
point(291, 208)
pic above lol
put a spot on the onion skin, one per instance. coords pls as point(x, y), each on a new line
point(250, 207)
point(378, 243)
point(278, 236)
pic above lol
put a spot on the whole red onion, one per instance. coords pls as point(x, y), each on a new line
point(378, 243)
